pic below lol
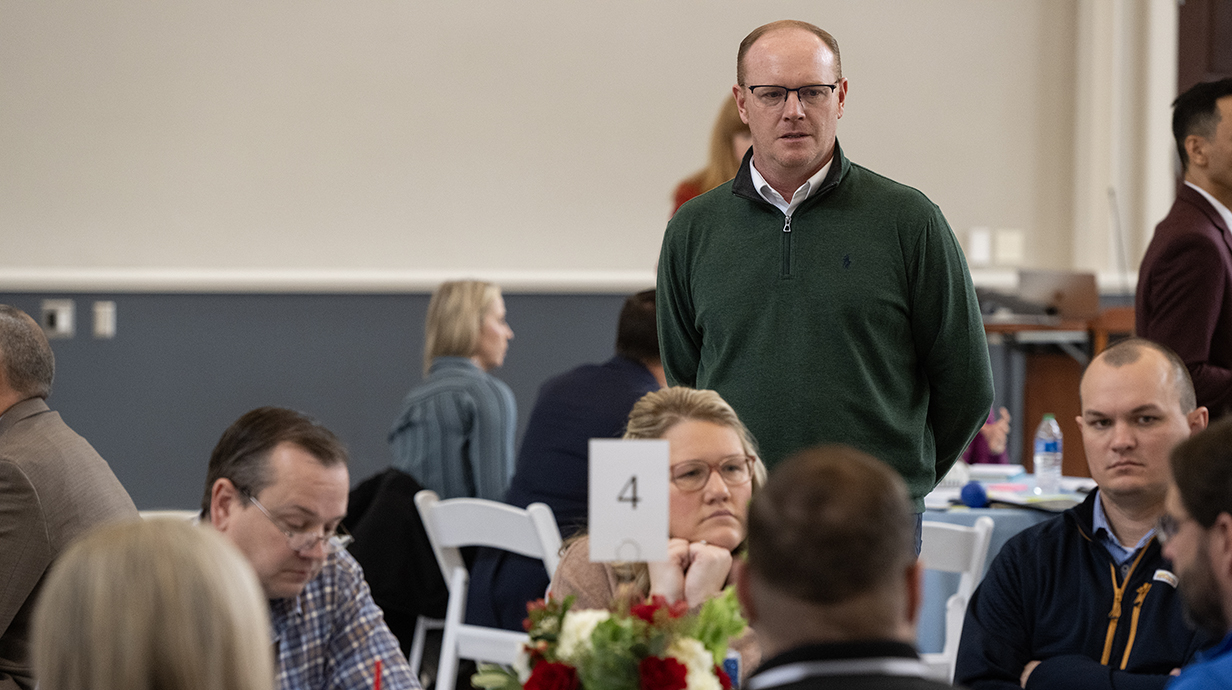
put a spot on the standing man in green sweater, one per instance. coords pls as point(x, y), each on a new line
point(825, 302)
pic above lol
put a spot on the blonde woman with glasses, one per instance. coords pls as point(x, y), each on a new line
point(714, 472)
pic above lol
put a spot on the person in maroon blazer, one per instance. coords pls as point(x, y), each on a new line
point(1184, 295)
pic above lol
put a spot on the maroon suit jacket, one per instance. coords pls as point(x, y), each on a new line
point(1184, 295)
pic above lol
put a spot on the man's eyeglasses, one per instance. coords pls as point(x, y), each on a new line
point(1166, 528)
point(304, 541)
point(771, 96)
point(693, 475)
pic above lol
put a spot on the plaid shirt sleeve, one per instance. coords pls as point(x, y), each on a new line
point(330, 637)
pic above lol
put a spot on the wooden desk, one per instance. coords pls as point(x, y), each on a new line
point(1111, 321)
point(1052, 377)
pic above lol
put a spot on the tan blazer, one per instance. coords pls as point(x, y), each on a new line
point(53, 487)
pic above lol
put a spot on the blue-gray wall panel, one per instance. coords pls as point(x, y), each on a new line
point(154, 399)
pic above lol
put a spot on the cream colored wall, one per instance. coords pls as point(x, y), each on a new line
point(483, 137)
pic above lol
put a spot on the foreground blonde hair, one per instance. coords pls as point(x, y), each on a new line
point(455, 316)
point(152, 605)
point(656, 413)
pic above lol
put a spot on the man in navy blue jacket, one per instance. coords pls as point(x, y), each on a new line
point(591, 401)
point(1197, 536)
point(1087, 600)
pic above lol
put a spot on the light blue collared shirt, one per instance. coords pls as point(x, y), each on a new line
point(1103, 532)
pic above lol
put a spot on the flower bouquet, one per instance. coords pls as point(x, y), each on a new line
point(648, 646)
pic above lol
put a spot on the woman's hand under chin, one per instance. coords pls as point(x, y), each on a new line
point(709, 566)
point(667, 577)
point(693, 572)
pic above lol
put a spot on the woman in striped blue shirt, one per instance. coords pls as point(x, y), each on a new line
point(455, 433)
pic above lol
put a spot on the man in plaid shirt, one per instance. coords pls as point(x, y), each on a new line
point(277, 487)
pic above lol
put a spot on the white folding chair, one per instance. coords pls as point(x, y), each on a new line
point(954, 549)
point(459, 522)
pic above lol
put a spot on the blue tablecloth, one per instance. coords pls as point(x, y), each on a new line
point(939, 586)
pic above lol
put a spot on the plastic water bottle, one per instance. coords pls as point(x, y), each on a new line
point(1047, 458)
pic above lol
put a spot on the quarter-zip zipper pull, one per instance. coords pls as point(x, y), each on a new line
point(786, 223)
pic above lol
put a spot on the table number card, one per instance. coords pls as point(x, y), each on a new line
point(628, 500)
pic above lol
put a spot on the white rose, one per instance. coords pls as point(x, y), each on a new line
point(698, 661)
point(521, 665)
point(575, 632)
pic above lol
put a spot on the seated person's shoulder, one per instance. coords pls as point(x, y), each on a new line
point(591, 584)
point(1036, 547)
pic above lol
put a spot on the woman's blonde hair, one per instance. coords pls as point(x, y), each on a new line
point(722, 164)
point(656, 413)
point(152, 605)
point(455, 317)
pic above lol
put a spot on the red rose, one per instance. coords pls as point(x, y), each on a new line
point(662, 674)
point(724, 680)
point(551, 675)
point(646, 611)
point(678, 609)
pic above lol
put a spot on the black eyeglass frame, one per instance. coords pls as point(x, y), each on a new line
point(787, 92)
point(1167, 527)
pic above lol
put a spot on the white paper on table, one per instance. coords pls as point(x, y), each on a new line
point(628, 500)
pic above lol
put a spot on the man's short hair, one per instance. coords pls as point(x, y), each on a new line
point(637, 334)
point(1128, 351)
point(1196, 112)
point(242, 454)
point(832, 523)
point(764, 29)
point(29, 364)
point(1202, 470)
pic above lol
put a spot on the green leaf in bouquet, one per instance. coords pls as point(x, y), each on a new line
point(717, 623)
point(611, 663)
point(492, 677)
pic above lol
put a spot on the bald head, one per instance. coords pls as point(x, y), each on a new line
point(1131, 351)
point(786, 25)
point(27, 365)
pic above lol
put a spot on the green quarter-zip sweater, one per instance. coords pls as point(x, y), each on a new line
point(853, 321)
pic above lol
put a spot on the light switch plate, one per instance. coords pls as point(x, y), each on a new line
point(58, 318)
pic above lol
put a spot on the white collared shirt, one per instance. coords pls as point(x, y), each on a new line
point(1223, 210)
point(772, 196)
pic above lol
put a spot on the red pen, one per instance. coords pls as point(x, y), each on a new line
point(377, 686)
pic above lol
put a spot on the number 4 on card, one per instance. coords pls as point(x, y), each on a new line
point(628, 494)
point(628, 499)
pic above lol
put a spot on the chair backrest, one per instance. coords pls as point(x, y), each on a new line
point(459, 522)
point(957, 549)
point(954, 549)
